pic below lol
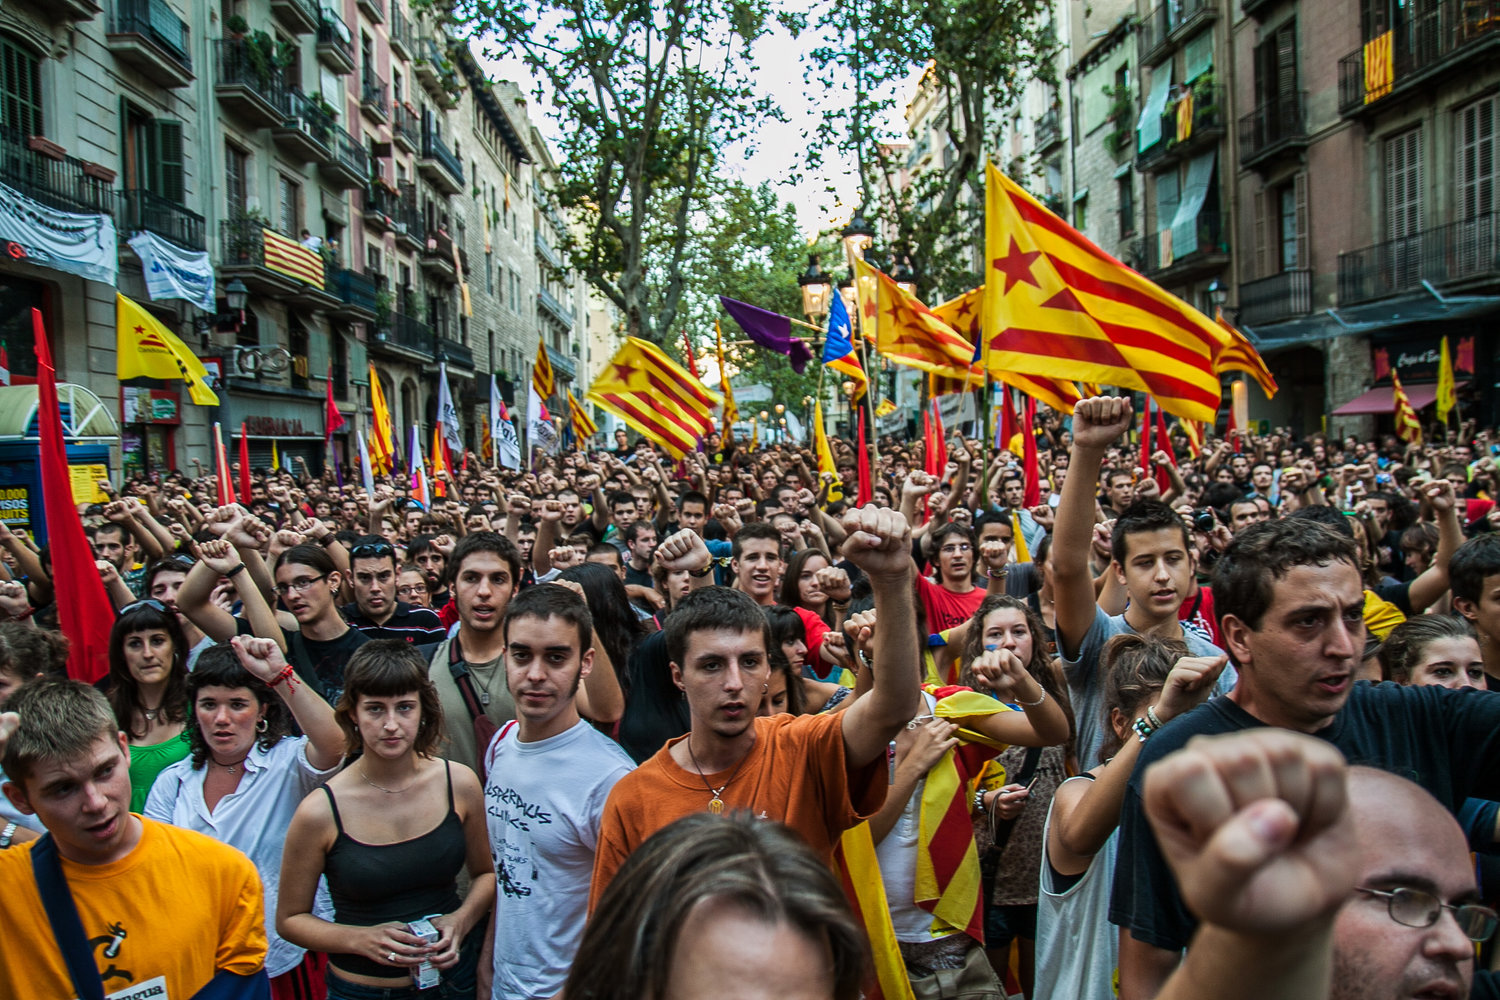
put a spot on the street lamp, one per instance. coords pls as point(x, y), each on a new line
point(1217, 294)
point(236, 296)
point(857, 237)
point(815, 288)
point(849, 295)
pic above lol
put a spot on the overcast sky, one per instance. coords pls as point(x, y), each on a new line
point(779, 147)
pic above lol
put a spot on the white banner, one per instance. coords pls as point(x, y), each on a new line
point(539, 430)
point(447, 414)
point(510, 446)
point(85, 245)
point(172, 272)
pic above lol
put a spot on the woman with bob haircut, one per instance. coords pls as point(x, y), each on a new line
point(247, 774)
point(390, 832)
point(147, 688)
point(714, 899)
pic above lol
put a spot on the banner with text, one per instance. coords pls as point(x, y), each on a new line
point(85, 245)
point(173, 272)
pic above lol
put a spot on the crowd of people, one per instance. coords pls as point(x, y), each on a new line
point(620, 727)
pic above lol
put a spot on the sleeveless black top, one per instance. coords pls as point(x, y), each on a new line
point(377, 883)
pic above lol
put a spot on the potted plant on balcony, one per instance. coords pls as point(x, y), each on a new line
point(236, 26)
point(260, 53)
point(1121, 106)
point(1205, 104)
point(383, 302)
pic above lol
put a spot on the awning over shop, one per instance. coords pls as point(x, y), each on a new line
point(85, 417)
point(1382, 399)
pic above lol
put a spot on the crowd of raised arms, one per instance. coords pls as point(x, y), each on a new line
point(623, 727)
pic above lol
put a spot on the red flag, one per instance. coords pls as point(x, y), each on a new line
point(332, 418)
point(1145, 435)
point(221, 469)
point(83, 608)
point(1230, 429)
point(937, 454)
point(1010, 424)
point(245, 490)
point(1164, 443)
point(687, 347)
point(1028, 459)
point(866, 491)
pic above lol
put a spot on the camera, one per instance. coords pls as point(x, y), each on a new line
point(1204, 520)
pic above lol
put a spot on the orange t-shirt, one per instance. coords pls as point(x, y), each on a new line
point(795, 774)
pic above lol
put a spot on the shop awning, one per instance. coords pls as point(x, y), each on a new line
point(84, 415)
point(1382, 399)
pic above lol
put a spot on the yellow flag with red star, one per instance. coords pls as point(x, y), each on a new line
point(908, 332)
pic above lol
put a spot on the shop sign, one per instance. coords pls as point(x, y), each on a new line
point(275, 427)
point(149, 406)
point(1417, 360)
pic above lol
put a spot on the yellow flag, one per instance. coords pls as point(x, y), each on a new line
point(146, 348)
point(886, 408)
point(1446, 396)
point(826, 463)
point(275, 457)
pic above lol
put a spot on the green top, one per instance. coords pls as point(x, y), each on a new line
point(146, 762)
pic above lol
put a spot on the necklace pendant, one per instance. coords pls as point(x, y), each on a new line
point(715, 805)
point(484, 697)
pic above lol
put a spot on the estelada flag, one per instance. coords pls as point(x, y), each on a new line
point(83, 608)
point(1408, 426)
point(906, 331)
point(965, 314)
point(1058, 306)
point(382, 429)
point(541, 372)
point(655, 396)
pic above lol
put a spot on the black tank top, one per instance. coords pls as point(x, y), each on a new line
point(376, 883)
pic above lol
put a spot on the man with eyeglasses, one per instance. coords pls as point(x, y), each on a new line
point(377, 609)
point(1312, 879)
point(1290, 600)
point(952, 598)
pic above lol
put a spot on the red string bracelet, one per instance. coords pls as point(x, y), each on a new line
point(288, 673)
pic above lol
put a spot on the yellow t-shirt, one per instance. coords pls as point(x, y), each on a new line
point(171, 914)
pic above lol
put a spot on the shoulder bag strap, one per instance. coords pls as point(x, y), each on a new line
point(62, 914)
point(463, 680)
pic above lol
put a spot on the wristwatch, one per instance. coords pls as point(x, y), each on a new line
point(7, 835)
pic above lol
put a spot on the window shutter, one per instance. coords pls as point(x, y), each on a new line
point(1261, 265)
point(166, 161)
point(1286, 59)
point(1299, 196)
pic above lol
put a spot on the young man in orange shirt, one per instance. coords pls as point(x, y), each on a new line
point(819, 774)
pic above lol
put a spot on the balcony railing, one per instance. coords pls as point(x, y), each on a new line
point(401, 36)
point(33, 166)
point(1271, 300)
point(154, 21)
point(1162, 252)
point(449, 350)
point(433, 148)
point(406, 213)
point(373, 9)
point(349, 154)
point(372, 98)
point(1459, 251)
point(355, 289)
point(410, 334)
point(246, 83)
point(1206, 124)
point(406, 127)
point(299, 15)
point(1273, 127)
point(335, 43)
point(549, 302)
point(1446, 34)
point(1048, 130)
point(545, 249)
point(167, 219)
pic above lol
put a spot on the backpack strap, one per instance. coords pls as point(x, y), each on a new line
point(463, 680)
point(62, 914)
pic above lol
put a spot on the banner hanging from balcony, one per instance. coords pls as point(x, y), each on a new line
point(85, 245)
point(292, 259)
point(172, 272)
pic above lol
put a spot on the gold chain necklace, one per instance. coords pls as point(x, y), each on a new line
point(716, 804)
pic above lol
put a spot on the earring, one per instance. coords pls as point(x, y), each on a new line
point(262, 725)
point(765, 687)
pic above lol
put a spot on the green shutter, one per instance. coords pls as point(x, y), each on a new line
point(166, 161)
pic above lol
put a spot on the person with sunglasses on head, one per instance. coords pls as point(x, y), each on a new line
point(247, 774)
point(162, 582)
point(147, 688)
point(377, 609)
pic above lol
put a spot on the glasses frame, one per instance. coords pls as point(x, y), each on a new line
point(298, 586)
point(1394, 896)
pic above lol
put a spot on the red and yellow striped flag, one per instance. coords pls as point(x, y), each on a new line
point(382, 430)
point(287, 256)
point(1408, 426)
point(583, 425)
point(1194, 434)
point(1058, 306)
point(1240, 355)
point(656, 396)
point(964, 314)
point(908, 332)
point(731, 411)
point(542, 378)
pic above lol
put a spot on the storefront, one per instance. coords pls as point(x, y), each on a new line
point(89, 431)
point(149, 419)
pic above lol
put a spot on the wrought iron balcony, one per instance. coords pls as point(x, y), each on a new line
point(549, 304)
point(1169, 23)
point(436, 73)
point(242, 254)
point(167, 219)
point(410, 227)
point(301, 16)
point(357, 293)
point(1458, 253)
point(406, 128)
point(401, 32)
point(39, 169)
point(1431, 39)
point(1048, 131)
point(149, 36)
point(306, 134)
point(246, 84)
point(411, 334)
point(457, 354)
point(378, 205)
point(373, 9)
point(349, 165)
point(1179, 139)
point(437, 257)
point(335, 43)
point(441, 168)
point(1274, 128)
point(1166, 258)
point(1281, 296)
point(372, 101)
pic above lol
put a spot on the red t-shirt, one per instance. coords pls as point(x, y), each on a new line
point(1199, 609)
point(944, 608)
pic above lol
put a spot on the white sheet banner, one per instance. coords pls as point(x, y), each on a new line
point(85, 245)
point(173, 272)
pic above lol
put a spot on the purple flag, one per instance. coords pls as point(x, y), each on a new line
point(770, 330)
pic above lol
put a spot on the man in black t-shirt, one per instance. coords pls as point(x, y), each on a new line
point(640, 545)
point(1290, 601)
point(375, 610)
